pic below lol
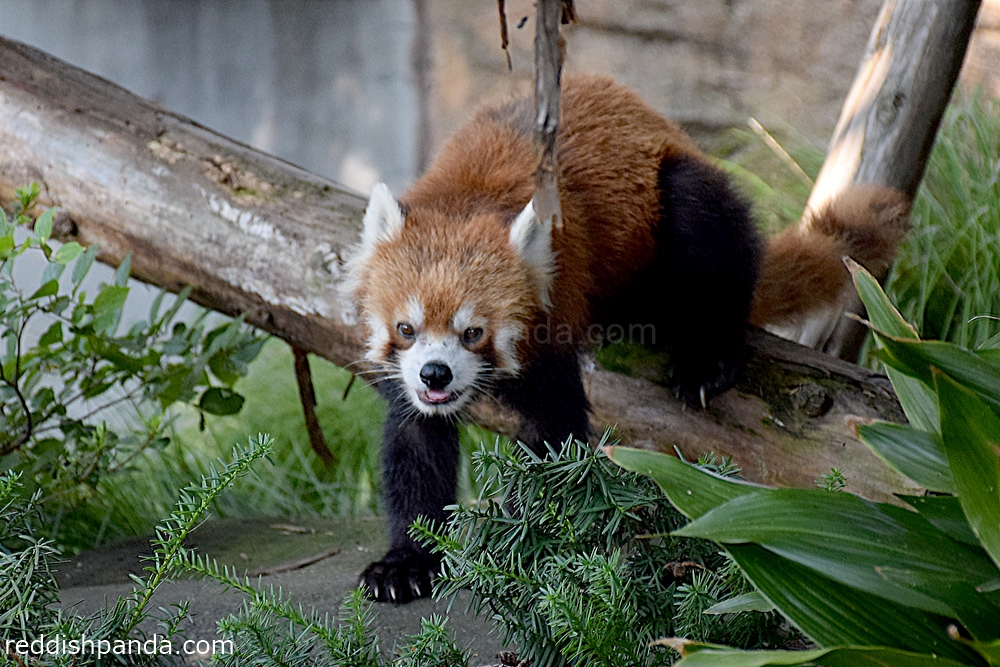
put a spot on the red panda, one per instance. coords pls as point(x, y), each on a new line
point(465, 292)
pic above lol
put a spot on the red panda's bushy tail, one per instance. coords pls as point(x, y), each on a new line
point(804, 286)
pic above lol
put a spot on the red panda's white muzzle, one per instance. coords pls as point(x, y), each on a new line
point(439, 374)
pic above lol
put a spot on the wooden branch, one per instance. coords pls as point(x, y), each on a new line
point(251, 233)
point(504, 33)
point(261, 237)
point(548, 66)
point(307, 397)
point(891, 116)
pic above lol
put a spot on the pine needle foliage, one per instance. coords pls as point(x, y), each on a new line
point(698, 620)
point(568, 553)
point(29, 592)
point(270, 629)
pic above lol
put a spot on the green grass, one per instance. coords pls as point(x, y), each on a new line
point(777, 191)
point(294, 483)
point(948, 270)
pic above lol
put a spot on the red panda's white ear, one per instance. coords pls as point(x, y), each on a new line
point(383, 217)
point(531, 239)
point(383, 222)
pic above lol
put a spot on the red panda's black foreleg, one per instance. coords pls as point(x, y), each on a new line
point(550, 399)
point(419, 471)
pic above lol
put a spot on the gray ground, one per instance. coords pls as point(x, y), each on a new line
point(274, 549)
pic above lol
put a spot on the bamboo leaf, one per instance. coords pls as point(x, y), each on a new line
point(989, 650)
point(882, 314)
point(944, 513)
point(971, 370)
point(880, 548)
point(752, 601)
point(917, 400)
point(841, 656)
point(691, 490)
point(971, 434)
point(917, 454)
point(992, 343)
point(832, 614)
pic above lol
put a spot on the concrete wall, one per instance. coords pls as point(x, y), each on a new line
point(323, 84)
point(707, 63)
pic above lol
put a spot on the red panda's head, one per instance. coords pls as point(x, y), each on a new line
point(447, 303)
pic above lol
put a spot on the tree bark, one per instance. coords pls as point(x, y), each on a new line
point(258, 236)
point(891, 116)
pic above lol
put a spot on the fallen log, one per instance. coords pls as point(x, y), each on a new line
point(260, 237)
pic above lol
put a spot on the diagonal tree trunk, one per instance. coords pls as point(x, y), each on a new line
point(891, 116)
point(258, 236)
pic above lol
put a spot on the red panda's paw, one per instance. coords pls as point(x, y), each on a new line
point(697, 389)
point(400, 577)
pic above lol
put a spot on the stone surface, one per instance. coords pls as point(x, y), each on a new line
point(271, 549)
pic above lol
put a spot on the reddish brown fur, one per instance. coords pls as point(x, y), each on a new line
point(610, 204)
point(803, 268)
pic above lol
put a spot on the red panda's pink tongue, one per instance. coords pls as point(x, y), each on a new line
point(437, 396)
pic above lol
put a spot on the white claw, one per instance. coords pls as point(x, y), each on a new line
point(701, 395)
point(416, 588)
point(392, 592)
point(375, 591)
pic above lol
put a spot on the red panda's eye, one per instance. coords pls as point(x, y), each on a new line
point(405, 330)
point(471, 335)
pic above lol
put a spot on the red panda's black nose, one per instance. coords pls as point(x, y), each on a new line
point(435, 375)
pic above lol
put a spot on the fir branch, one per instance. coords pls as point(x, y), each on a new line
point(192, 506)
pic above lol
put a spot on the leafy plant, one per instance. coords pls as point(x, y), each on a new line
point(66, 369)
point(873, 583)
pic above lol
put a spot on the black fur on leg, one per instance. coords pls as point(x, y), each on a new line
point(419, 474)
point(550, 399)
point(708, 260)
